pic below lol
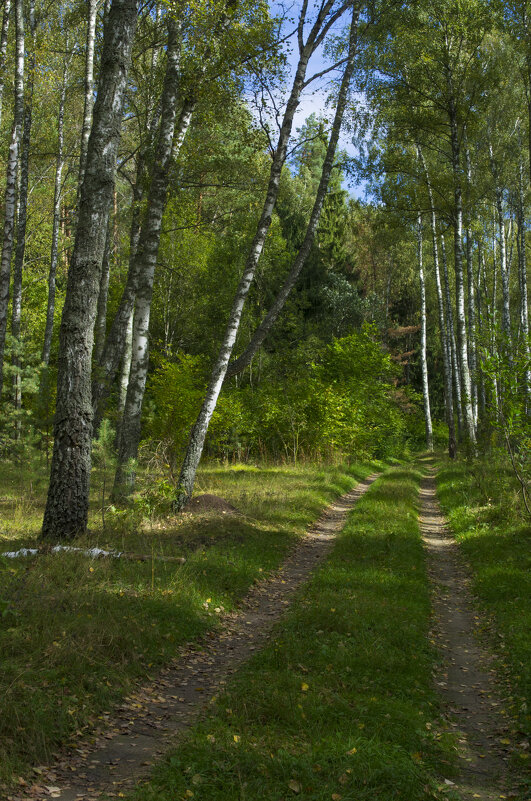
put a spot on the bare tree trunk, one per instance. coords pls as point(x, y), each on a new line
point(198, 434)
point(3, 50)
point(506, 317)
point(145, 263)
point(423, 359)
point(124, 376)
point(453, 356)
point(103, 294)
point(59, 166)
point(443, 331)
point(66, 512)
point(22, 218)
point(472, 359)
point(92, 14)
point(11, 180)
point(522, 275)
point(458, 264)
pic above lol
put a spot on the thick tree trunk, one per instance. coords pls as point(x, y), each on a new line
point(443, 331)
point(54, 252)
point(22, 218)
point(199, 430)
point(3, 50)
point(267, 324)
point(11, 181)
point(68, 495)
point(146, 260)
point(423, 359)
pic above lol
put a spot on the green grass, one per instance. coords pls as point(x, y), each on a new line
point(487, 516)
point(75, 634)
point(340, 704)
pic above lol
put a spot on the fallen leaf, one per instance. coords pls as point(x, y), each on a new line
point(295, 786)
point(352, 751)
point(304, 687)
point(236, 738)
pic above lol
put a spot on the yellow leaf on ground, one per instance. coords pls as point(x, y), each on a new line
point(304, 687)
point(295, 786)
point(236, 738)
point(352, 751)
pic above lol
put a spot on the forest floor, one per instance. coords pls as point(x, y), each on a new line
point(321, 685)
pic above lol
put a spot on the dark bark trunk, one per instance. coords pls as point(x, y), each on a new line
point(66, 512)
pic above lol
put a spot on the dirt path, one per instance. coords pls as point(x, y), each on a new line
point(150, 721)
point(465, 680)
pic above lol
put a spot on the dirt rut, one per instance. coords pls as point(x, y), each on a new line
point(466, 681)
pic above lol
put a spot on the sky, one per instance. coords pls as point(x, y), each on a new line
point(314, 96)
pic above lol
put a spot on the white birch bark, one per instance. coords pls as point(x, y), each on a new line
point(3, 50)
point(66, 511)
point(472, 352)
point(11, 180)
point(145, 264)
point(22, 218)
point(92, 14)
point(453, 356)
point(466, 385)
point(522, 276)
point(124, 375)
point(423, 359)
point(199, 430)
point(504, 275)
point(101, 313)
point(443, 330)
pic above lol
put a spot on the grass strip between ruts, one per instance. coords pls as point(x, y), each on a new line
point(340, 705)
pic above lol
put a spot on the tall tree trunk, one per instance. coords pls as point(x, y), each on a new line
point(92, 14)
point(443, 331)
point(146, 260)
point(472, 353)
point(522, 276)
point(66, 512)
point(3, 50)
point(423, 359)
point(103, 294)
point(54, 251)
point(506, 316)
point(458, 264)
point(198, 434)
point(124, 376)
point(22, 217)
point(453, 355)
point(267, 324)
point(11, 180)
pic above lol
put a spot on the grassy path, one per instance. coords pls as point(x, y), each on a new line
point(340, 704)
point(168, 706)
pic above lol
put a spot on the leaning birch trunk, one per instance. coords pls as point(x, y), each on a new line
point(124, 376)
point(92, 9)
point(11, 181)
point(145, 263)
point(199, 430)
point(3, 50)
point(245, 359)
point(453, 358)
point(54, 251)
point(22, 218)
point(66, 513)
point(423, 359)
point(443, 331)
point(458, 264)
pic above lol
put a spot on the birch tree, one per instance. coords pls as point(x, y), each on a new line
point(66, 511)
point(329, 12)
